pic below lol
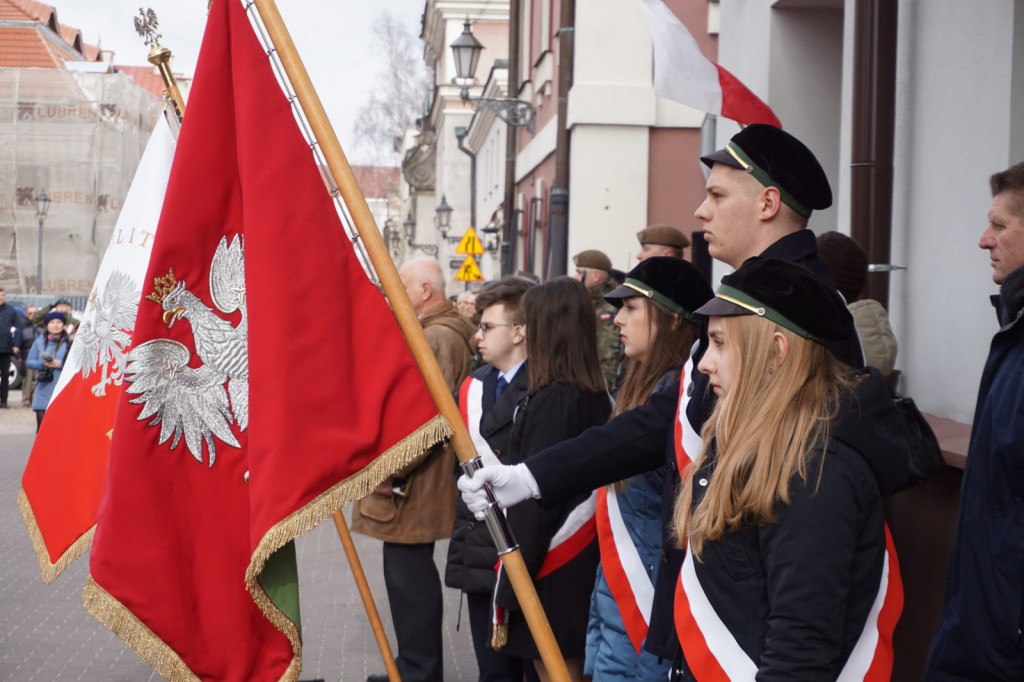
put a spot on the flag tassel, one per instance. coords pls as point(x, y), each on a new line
point(402, 308)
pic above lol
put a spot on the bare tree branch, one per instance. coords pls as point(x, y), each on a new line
point(403, 84)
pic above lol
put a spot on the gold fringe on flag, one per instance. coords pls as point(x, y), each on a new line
point(356, 486)
point(130, 630)
point(77, 548)
point(150, 648)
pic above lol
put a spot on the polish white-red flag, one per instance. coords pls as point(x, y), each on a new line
point(64, 477)
point(683, 74)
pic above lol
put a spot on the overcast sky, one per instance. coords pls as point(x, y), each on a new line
point(333, 39)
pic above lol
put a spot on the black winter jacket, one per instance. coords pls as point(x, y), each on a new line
point(796, 594)
point(10, 330)
point(642, 439)
point(554, 413)
point(471, 552)
point(981, 633)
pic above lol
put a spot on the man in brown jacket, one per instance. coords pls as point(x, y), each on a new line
point(416, 507)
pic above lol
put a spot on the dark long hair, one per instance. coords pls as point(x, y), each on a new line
point(561, 336)
point(671, 338)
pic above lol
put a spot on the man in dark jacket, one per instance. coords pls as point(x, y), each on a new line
point(28, 336)
point(488, 400)
point(979, 636)
point(10, 343)
point(760, 194)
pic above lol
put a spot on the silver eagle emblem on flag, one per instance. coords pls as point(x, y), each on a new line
point(197, 403)
point(101, 340)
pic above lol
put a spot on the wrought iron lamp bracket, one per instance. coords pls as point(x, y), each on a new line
point(514, 112)
point(429, 249)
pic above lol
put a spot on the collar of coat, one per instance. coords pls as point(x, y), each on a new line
point(1012, 294)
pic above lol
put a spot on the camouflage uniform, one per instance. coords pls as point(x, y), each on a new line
point(609, 348)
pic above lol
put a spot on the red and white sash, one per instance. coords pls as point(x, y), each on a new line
point(713, 655)
point(576, 532)
point(623, 568)
point(688, 442)
point(471, 406)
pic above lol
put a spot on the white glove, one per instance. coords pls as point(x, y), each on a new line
point(510, 484)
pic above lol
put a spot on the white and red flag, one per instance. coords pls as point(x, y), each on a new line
point(683, 74)
point(63, 480)
point(243, 425)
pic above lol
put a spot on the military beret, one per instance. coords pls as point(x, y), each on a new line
point(663, 235)
point(593, 258)
point(672, 282)
point(788, 294)
point(777, 159)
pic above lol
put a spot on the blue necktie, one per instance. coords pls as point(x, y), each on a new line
point(500, 388)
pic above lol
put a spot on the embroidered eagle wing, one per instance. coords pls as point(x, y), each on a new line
point(189, 402)
point(227, 289)
point(102, 339)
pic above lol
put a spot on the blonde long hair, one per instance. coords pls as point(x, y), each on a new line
point(764, 430)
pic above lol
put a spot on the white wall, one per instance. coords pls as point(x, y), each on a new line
point(959, 118)
point(611, 107)
point(608, 197)
point(805, 85)
point(953, 121)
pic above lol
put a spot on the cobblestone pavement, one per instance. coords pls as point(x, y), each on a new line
point(45, 634)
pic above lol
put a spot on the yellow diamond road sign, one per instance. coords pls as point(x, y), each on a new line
point(470, 244)
point(469, 271)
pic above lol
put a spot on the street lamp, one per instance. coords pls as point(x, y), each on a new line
point(444, 219)
point(466, 50)
point(491, 230)
point(42, 207)
point(466, 53)
point(409, 225)
point(444, 215)
point(391, 236)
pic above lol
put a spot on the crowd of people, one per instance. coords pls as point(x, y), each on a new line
point(39, 342)
point(705, 500)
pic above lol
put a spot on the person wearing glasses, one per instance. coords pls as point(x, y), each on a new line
point(487, 400)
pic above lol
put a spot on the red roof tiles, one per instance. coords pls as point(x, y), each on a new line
point(26, 42)
point(146, 77)
point(29, 48)
point(35, 10)
point(377, 181)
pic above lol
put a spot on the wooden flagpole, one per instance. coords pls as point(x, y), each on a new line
point(512, 561)
point(364, 593)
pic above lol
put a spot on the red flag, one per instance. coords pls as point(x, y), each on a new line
point(683, 74)
point(63, 479)
point(266, 379)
